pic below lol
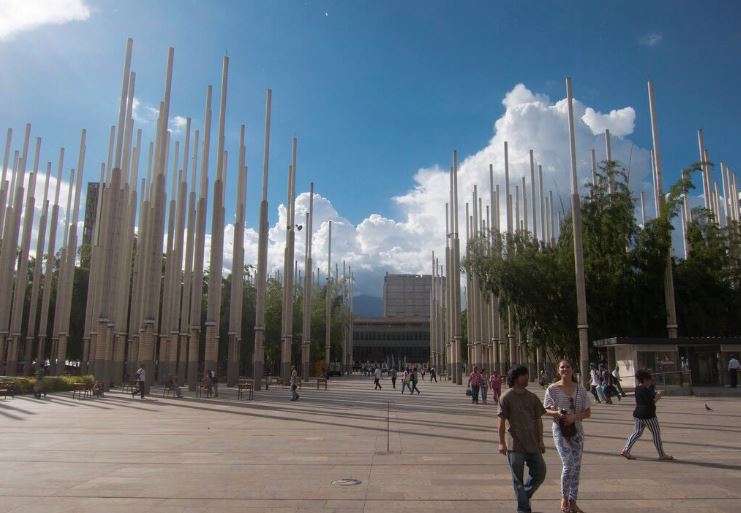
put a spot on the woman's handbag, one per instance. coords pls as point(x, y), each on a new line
point(568, 430)
point(469, 393)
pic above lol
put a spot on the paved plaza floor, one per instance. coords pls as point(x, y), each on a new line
point(433, 452)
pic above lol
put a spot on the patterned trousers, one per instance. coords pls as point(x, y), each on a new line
point(570, 450)
point(653, 426)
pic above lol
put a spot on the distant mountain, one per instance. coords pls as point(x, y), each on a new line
point(368, 306)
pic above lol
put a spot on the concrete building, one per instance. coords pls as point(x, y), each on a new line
point(407, 295)
point(385, 339)
point(403, 333)
point(697, 361)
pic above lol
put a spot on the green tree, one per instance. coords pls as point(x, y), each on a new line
point(624, 265)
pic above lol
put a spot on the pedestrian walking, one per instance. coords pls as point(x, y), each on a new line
point(542, 379)
point(377, 378)
point(213, 381)
point(569, 404)
point(595, 385)
point(38, 387)
point(140, 381)
point(474, 383)
point(645, 415)
point(294, 384)
point(406, 380)
point(616, 381)
point(606, 383)
point(495, 383)
point(521, 436)
point(733, 367)
point(414, 379)
point(484, 385)
point(393, 377)
point(433, 375)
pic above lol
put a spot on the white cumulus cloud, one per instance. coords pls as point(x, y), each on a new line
point(18, 16)
point(379, 244)
point(620, 122)
point(651, 39)
point(404, 244)
point(178, 123)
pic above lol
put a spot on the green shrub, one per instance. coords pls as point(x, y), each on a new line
point(51, 383)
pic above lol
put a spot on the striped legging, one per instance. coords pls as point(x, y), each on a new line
point(640, 425)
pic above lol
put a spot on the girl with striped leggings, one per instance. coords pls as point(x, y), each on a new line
point(645, 415)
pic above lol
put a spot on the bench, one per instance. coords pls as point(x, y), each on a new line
point(130, 387)
point(81, 389)
point(203, 387)
point(168, 390)
point(7, 387)
point(245, 387)
point(321, 381)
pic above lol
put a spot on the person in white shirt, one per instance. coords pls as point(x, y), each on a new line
point(294, 384)
point(211, 374)
point(405, 380)
point(377, 378)
point(733, 367)
point(141, 379)
point(596, 385)
point(616, 376)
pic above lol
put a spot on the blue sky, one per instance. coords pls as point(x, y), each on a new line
point(375, 91)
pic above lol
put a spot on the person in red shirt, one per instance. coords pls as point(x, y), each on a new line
point(474, 381)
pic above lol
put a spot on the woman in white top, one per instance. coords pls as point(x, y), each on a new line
point(568, 403)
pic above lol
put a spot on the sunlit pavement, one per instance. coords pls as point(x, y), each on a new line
point(430, 452)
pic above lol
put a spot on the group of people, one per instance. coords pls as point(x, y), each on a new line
point(410, 377)
point(172, 383)
point(481, 382)
point(604, 384)
point(568, 404)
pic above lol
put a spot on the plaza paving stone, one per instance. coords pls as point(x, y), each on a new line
point(119, 454)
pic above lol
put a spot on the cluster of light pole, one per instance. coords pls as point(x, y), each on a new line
point(19, 204)
point(138, 310)
point(494, 341)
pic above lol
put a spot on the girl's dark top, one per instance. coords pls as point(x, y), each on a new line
point(645, 402)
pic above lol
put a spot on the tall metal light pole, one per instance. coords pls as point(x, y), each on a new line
point(671, 311)
point(213, 309)
point(237, 290)
point(581, 292)
point(262, 259)
point(308, 286)
point(288, 268)
point(456, 276)
point(328, 307)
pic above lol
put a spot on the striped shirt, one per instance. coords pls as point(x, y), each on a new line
point(556, 399)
